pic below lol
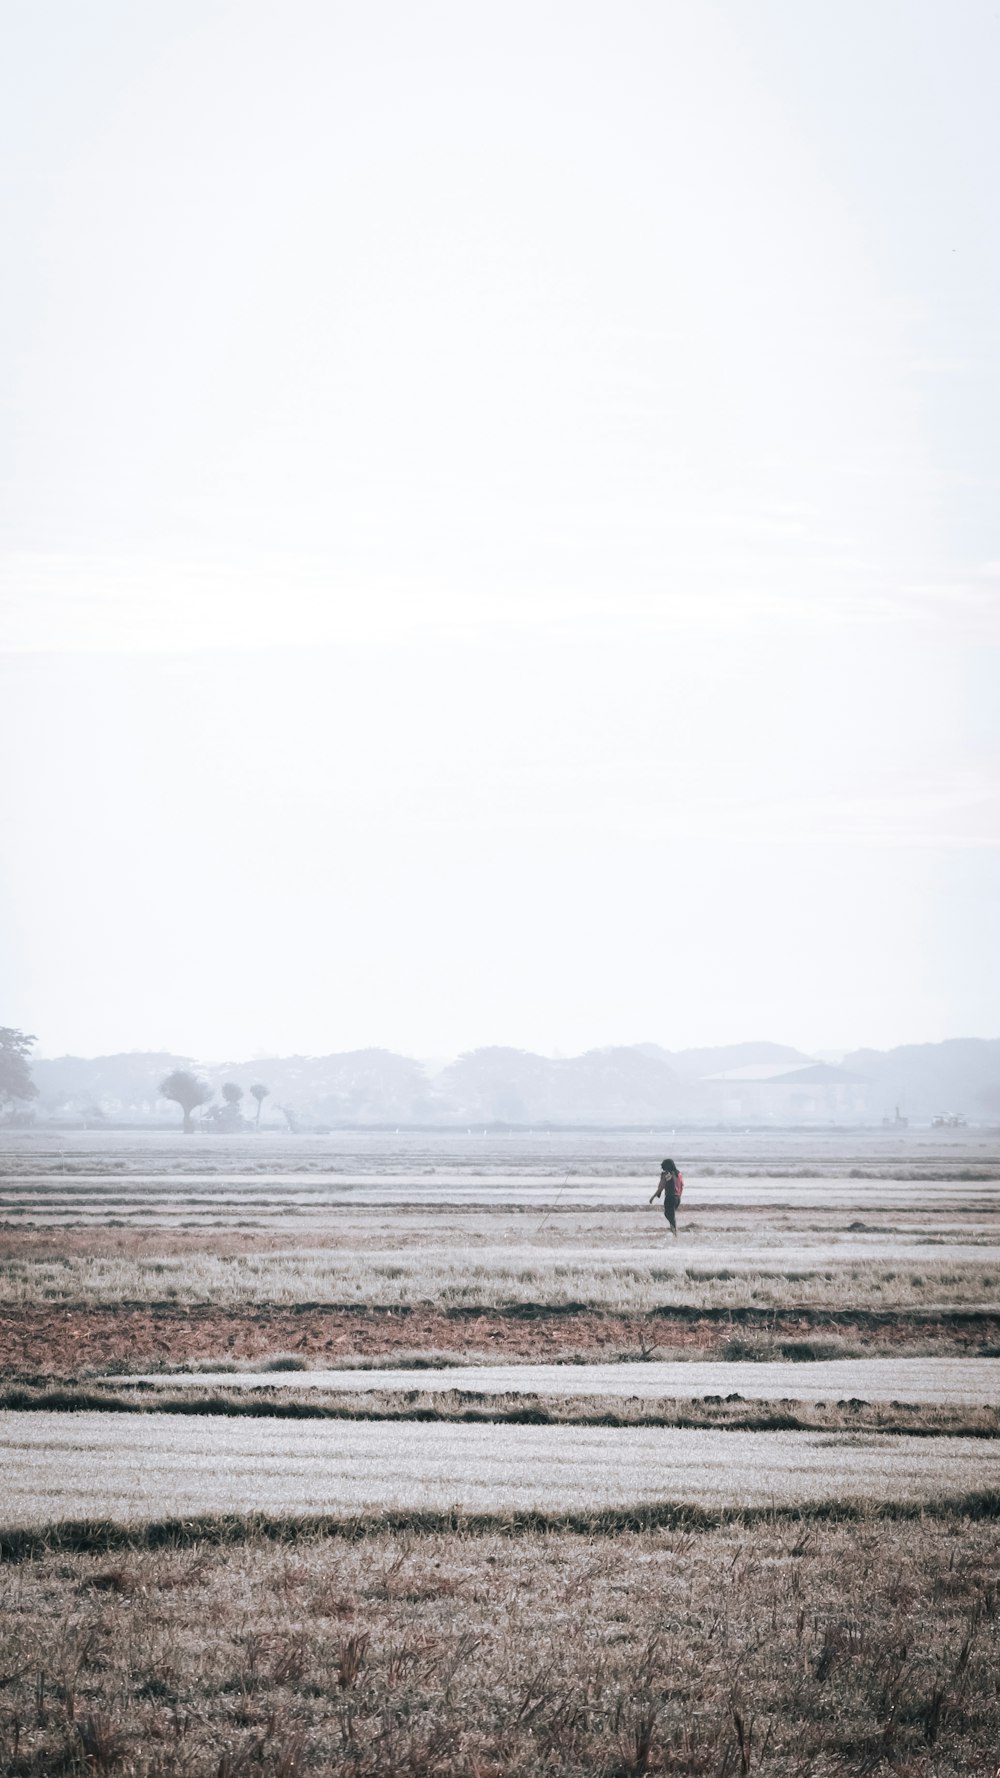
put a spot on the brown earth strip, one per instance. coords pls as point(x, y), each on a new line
point(62, 1341)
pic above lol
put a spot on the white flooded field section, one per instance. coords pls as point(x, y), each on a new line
point(941, 1381)
point(133, 1467)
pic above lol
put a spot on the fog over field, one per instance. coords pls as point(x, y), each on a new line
point(760, 1084)
point(499, 541)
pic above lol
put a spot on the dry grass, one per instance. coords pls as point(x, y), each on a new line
point(947, 1381)
point(461, 1280)
point(733, 1255)
point(801, 1651)
point(136, 1467)
point(458, 1406)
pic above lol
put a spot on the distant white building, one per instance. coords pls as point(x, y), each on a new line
point(774, 1093)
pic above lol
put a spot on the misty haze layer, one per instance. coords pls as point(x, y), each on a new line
point(756, 1083)
point(499, 524)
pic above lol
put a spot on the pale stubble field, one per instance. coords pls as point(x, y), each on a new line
point(227, 1587)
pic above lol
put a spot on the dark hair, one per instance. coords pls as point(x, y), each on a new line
point(668, 1167)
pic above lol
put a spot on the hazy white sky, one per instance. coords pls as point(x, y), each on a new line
point(500, 527)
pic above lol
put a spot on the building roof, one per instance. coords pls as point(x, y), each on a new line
point(775, 1074)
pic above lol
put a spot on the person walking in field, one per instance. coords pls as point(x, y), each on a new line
point(671, 1188)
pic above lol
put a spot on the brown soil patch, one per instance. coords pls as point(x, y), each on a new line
point(63, 1341)
point(32, 1243)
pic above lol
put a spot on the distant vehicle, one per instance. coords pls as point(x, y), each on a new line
point(948, 1120)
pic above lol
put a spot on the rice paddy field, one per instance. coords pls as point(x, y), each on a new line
point(396, 1453)
point(939, 1380)
point(132, 1468)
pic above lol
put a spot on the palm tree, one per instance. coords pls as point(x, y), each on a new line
point(260, 1093)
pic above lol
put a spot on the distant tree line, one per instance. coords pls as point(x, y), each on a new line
point(620, 1086)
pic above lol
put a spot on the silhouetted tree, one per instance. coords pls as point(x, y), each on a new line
point(15, 1075)
point(186, 1090)
point(232, 1093)
point(259, 1092)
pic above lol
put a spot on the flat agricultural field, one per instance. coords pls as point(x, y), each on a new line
point(144, 1251)
point(943, 1381)
point(130, 1467)
point(386, 1453)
